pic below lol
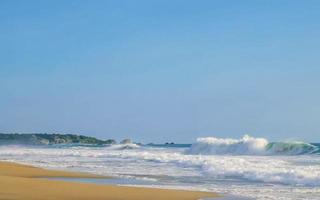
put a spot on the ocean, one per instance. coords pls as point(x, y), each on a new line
point(248, 167)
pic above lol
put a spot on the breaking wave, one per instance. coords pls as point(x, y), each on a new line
point(249, 146)
point(123, 146)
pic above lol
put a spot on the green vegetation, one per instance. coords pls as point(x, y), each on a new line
point(47, 139)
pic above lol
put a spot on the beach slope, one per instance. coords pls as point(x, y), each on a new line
point(22, 182)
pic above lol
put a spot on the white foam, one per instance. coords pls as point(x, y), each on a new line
point(247, 145)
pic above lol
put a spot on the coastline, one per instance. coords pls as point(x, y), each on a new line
point(23, 182)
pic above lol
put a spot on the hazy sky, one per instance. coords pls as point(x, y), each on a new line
point(161, 70)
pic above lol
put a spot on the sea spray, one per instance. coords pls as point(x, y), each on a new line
point(246, 145)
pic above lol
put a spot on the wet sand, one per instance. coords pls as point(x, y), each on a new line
point(22, 182)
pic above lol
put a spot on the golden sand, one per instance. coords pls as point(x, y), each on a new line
point(22, 182)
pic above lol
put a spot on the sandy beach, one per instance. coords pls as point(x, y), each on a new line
point(22, 182)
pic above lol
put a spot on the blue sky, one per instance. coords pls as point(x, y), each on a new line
point(161, 70)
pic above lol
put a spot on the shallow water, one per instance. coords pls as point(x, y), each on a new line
point(135, 182)
point(107, 181)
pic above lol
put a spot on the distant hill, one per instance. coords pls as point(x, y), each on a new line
point(47, 139)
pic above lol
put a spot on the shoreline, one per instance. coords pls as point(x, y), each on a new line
point(24, 182)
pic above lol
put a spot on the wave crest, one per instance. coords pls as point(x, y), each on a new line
point(249, 146)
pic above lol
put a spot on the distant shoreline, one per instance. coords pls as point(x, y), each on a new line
point(50, 139)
